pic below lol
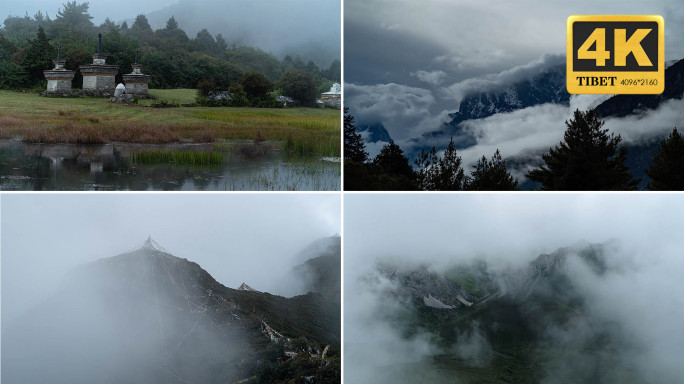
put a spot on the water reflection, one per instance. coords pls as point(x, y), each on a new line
point(246, 166)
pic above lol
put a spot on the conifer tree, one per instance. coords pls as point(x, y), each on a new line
point(354, 147)
point(39, 55)
point(171, 24)
point(667, 168)
point(588, 159)
point(440, 173)
point(391, 161)
point(491, 175)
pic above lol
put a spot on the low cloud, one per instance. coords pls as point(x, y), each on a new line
point(404, 111)
point(637, 300)
point(496, 81)
point(531, 131)
point(432, 77)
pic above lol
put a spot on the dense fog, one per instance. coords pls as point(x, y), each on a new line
point(85, 299)
point(631, 296)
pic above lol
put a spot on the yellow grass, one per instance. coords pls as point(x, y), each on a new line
point(30, 117)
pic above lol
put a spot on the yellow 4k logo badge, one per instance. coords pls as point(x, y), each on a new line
point(616, 54)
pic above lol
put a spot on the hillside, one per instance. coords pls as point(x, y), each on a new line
point(148, 316)
point(525, 325)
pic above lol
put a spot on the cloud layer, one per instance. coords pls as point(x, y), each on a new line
point(236, 238)
point(449, 48)
point(641, 295)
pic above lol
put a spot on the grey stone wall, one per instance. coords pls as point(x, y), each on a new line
point(99, 83)
point(59, 86)
point(137, 88)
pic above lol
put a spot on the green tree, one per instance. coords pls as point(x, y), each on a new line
point(391, 160)
point(440, 173)
point(221, 43)
point(427, 164)
point(298, 85)
point(107, 25)
point(334, 72)
point(73, 22)
point(12, 76)
point(20, 30)
point(38, 56)
point(121, 51)
point(75, 15)
point(141, 29)
point(171, 24)
point(204, 42)
point(255, 84)
point(205, 87)
point(254, 59)
point(7, 49)
point(588, 159)
point(667, 168)
point(491, 175)
point(171, 39)
point(354, 147)
point(40, 18)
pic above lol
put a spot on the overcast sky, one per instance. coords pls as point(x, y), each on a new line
point(451, 226)
point(643, 295)
point(405, 61)
point(237, 238)
point(99, 9)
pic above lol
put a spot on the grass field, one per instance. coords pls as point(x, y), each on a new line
point(31, 118)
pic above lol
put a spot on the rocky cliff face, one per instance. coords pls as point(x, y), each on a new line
point(426, 286)
point(547, 86)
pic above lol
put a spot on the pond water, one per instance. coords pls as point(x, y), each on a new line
point(244, 165)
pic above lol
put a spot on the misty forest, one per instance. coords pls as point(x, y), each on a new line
point(147, 316)
point(250, 101)
point(172, 58)
point(550, 320)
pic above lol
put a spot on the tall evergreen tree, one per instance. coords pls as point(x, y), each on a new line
point(588, 159)
point(171, 24)
point(221, 43)
point(38, 56)
point(354, 147)
point(204, 42)
point(7, 49)
point(427, 164)
point(108, 24)
point(75, 15)
point(440, 173)
point(141, 28)
point(391, 160)
point(667, 168)
point(491, 175)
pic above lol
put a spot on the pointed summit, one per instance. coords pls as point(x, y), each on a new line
point(245, 287)
point(153, 245)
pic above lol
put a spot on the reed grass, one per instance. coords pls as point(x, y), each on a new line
point(27, 116)
point(177, 157)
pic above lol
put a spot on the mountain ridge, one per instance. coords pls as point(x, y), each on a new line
point(183, 324)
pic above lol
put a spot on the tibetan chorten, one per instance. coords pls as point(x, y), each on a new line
point(98, 77)
point(59, 79)
point(136, 82)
